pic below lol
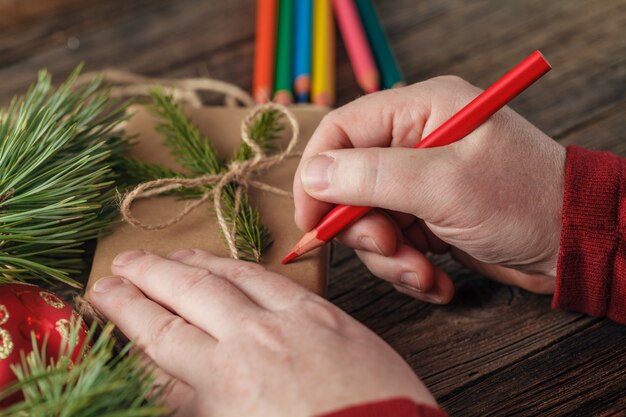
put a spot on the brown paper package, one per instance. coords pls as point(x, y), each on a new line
point(199, 229)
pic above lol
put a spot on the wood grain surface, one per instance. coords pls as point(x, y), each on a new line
point(495, 350)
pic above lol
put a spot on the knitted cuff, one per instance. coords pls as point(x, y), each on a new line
point(591, 270)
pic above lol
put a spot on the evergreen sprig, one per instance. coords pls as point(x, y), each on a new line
point(100, 384)
point(195, 154)
point(58, 153)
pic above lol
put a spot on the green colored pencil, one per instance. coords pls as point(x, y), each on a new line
point(387, 64)
point(284, 52)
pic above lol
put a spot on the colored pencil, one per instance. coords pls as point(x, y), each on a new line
point(284, 53)
point(302, 50)
point(457, 127)
point(357, 46)
point(264, 49)
point(387, 65)
point(323, 84)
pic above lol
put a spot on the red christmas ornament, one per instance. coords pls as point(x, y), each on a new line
point(26, 309)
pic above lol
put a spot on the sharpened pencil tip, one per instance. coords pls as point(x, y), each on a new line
point(283, 97)
point(290, 257)
point(370, 81)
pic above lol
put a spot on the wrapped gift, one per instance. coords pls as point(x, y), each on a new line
point(199, 229)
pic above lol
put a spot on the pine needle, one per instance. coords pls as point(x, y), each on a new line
point(193, 151)
point(58, 153)
point(101, 384)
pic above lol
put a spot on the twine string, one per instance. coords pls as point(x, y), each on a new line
point(128, 84)
point(239, 173)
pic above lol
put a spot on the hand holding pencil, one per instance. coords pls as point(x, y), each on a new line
point(457, 198)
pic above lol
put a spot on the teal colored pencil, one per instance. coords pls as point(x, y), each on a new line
point(302, 49)
point(387, 64)
point(284, 52)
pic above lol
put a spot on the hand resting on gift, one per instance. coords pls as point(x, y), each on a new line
point(238, 340)
point(492, 199)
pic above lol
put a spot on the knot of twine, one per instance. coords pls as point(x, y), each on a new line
point(239, 173)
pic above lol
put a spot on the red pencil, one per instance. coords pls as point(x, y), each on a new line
point(457, 127)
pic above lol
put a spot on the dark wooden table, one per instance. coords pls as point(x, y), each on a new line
point(494, 350)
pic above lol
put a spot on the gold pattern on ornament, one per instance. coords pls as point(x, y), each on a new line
point(6, 344)
point(51, 299)
point(63, 327)
point(4, 314)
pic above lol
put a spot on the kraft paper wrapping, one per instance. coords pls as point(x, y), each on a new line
point(199, 229)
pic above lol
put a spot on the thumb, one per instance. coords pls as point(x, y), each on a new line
point(402, 179)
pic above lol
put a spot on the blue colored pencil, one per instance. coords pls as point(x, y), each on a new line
point(302, 49)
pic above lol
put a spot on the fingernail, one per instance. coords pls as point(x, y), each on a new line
point(181, 254)
point(410, 279)
point(431, 298)
point(369, 244)
point(127, 257)
point(105, 284)
point(316, 173)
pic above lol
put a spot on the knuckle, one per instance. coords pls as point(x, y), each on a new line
point(245, 270)
point(146, 264)
point(190, 280)
point(329, 118)
point(267, 333)
point(324, 313)
point(125, 298)
point(162, 331)
point(450, 79)
point(368, 164)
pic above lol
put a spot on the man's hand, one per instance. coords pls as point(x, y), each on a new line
point(493, 198)
point(238, 340)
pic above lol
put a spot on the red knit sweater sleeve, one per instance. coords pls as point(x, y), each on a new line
point(591, 271)
point(395, 407)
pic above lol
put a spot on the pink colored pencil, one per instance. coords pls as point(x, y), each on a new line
point(358, 48)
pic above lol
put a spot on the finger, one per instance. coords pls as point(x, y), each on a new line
point(424, 239)
point(210, 302)
point(403, 220)
point(416, 236)
point(415, 181)
point(441, 292)
point(176, 395)
point(537, 283)
point(269, 290)
point(168, 339)
point(435, 244)
point(406, 266)
point(388, 118)
point(375, 232)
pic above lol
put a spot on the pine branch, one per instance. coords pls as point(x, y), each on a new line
point(195, 153)
point(252, 236)
point(101, 384)
point(191, 149)
point(134, 171)
point(58, 152)
point(265, 132)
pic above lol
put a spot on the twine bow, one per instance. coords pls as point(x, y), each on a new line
point(239, 173)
